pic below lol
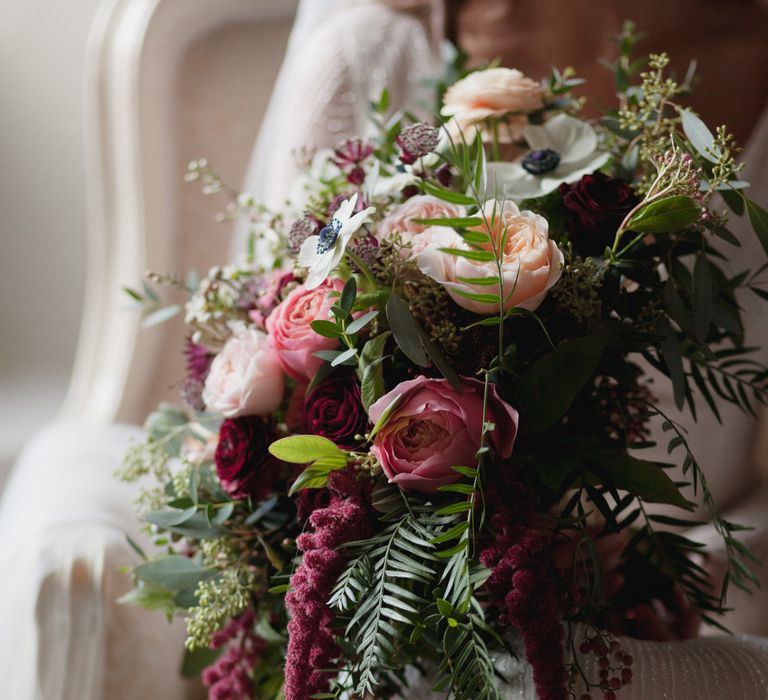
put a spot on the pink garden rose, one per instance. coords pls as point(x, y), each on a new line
point(291, 335)
point(245, 378)
point(401, 219)
point(434, 428)
point(491, 93)
point(531, 262)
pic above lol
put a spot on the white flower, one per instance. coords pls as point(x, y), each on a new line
point(321, 254)
point(564, 149)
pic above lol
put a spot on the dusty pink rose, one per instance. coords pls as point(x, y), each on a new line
point(531, 263)
point(401, 219)
point(491, 93)
point(434, 428)
point(245, 378)
point(291, 335)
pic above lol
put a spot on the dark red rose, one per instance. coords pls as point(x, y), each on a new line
point(596, 204)
point(243, 463)
point(334, 410)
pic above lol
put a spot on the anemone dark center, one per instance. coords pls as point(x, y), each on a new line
point(327, 236)
point(541, 161)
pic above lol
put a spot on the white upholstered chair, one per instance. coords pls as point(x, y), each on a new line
point(167, 81)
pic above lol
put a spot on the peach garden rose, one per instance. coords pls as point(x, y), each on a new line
point(434, 428)
point(530, 262)
point(402, 219)
point(491, 93)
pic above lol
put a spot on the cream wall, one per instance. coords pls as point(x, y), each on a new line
point(42, 206)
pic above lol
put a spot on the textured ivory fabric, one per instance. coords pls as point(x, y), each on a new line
point(63, 521)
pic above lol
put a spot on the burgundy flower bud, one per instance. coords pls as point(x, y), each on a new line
point(352, 152)
point(334, 410)
point(416, 140)
point(596, 205)
point(242, 460)
point(356, 176)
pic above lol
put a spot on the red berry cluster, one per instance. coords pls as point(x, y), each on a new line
point(613, 663)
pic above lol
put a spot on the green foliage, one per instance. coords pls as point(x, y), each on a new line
point(549, 386)
point(323, 454)
point(665, 215)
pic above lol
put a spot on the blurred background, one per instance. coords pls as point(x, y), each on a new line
point(42, 209)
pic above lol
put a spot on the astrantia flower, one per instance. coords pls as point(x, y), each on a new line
point(322, 253)
point(562, 150)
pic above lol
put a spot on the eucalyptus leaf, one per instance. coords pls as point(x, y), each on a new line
point(348, 295)
point(174, 572)
point(701, 296)
point(441, 362)
point(160, 316)
point(344, 357)
point(359, 323)
point(699, 135)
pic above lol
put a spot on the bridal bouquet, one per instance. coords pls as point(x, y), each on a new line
point(415, 415)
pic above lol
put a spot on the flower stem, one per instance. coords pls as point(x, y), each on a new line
point(369, 278)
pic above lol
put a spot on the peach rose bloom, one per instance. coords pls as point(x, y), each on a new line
point(531, 263)
point(491, 93)
point(401, 219)
point(245, 378)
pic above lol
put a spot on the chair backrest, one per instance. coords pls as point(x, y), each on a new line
point(168, 81)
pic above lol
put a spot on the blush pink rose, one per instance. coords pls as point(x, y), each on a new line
point(530, 263)
point(434, 428)
point(491, 93)
point(402, 219)
point(291, 335)
point(245, 378)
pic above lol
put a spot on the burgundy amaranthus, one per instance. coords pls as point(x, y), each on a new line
point(198, 362)
point(311, 646)
point(229, 678)
point(524, 585)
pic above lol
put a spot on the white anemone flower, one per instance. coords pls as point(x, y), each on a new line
point(322, 253)
point(563, 149)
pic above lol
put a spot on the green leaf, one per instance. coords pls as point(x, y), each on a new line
point(441, 362)
point(196, 526)
point(453, 222)
point(386, 413)
point(642, 478)
point(758, 217)
point(348, 295)
point(327, 329)
point(343, 357)
point(359, 323)
point(699, 135)
point(701, 297)
point(491, 299)
point(451, 534)
point(370, 370)
point(669, 214)
point(150, 597)
point(165, 420)
point(447, 195)
point(301, 449)
point(549, 386)
point(405, 330)
point(673, 360)
point(197, 660)
point(480, 282)
point(477, 255)
point(174, 572)
point(734, 200)
point(160, 316)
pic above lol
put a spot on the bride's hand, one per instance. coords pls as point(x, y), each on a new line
point(657, 622)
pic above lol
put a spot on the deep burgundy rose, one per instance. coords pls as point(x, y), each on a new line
point(597, 204)
point(334, 410)
point(242, 460)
